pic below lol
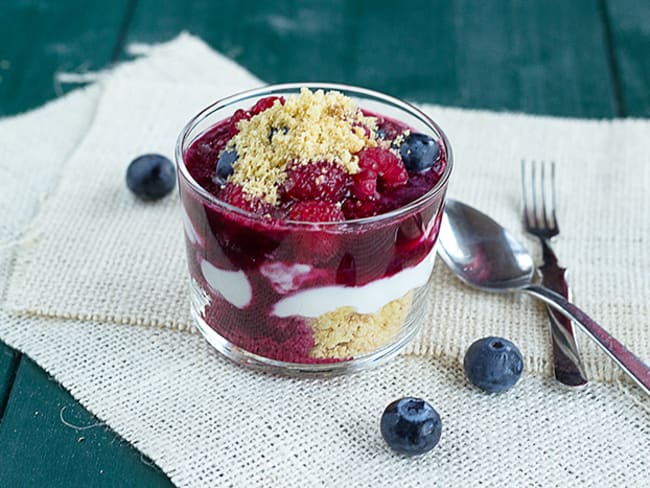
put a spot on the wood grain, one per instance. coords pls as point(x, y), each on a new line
point(629, 27)
point(538, 57)
point(39, 39)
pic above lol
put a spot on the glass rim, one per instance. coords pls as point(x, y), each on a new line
point(296, 86)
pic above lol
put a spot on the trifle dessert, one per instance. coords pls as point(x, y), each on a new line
point(311, 214)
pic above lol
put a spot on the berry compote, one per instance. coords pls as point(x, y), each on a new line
point(311, 213)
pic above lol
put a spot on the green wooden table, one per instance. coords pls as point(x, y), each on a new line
point(586, 58)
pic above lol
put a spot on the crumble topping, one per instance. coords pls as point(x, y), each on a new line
point(310, 127)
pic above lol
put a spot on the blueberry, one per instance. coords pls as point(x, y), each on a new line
point(411, 426)
point(382, 134)
point(151, 176)
point(493, 364)
point(419, 152)
point(224, 164)
point(275, 130)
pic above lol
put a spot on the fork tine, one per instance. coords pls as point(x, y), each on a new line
point(524, 194)
point(543, 184)
point(538, 197)
point(533, 186)
point(553, 201)
point(528, 202)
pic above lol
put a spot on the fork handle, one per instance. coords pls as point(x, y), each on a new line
point(567, 365)
point(628, 362)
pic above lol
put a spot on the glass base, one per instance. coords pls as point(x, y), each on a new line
point(260, 363)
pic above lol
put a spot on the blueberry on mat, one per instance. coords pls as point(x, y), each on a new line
point(151, 176)
point(493, 364)
point(411, 426)
point(419, 152)
point(224, 165)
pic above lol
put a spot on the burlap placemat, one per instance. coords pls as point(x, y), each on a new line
point(99, 254)
point(96, 255)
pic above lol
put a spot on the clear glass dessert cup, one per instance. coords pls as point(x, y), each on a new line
point(303, 298)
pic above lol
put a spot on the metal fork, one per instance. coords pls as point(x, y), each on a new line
point(540, 220)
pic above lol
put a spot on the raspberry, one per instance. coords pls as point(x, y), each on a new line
point(389, 167)
point(234, 195)
point(358, 209)
point(321, 180)
point(315, 211)
point(395, 175)
point(265, 103)
point(372, 158)
point(364, 184)
point(378, 159)
point(315, 245)
point(236, 117)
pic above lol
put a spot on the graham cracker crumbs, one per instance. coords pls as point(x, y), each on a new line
point(400, 138)
point(344, 333)
point(310, 127)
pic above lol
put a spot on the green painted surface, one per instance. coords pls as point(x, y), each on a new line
point(37, 40)
point(49, 440)
point(629, 22)
point(8, 363)
point(41, 38)
point(585, 58)
point(538, 57)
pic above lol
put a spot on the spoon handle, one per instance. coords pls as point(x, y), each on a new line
point(632, 365)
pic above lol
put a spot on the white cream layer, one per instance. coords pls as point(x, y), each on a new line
point(190, 231)
point(232, 285)
point(368, 298)
point(313, 302)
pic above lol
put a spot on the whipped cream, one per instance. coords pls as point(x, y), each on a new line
point(368, 298)
point(286, 278)
point(191, 233)
point(232, 285)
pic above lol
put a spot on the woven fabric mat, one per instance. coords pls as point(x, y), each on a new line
point(98, 296)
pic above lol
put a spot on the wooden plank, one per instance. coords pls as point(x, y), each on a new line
point(39, 39)
point(628, 24)
point(48, 439)
point(543, 57)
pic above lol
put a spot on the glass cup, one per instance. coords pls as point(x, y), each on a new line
point(309, 298)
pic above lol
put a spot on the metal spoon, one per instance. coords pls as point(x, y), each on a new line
point(484, 255)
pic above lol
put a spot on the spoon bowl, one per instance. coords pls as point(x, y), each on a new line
point(481, 252)
point(486, 256)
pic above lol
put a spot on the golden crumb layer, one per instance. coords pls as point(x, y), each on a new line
point(310, 127)
point(344, 333)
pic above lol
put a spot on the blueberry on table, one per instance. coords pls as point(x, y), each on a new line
point(411, 426)
point(224, 165)
point(419, 152)
point(493, 364)
point(151, 176)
